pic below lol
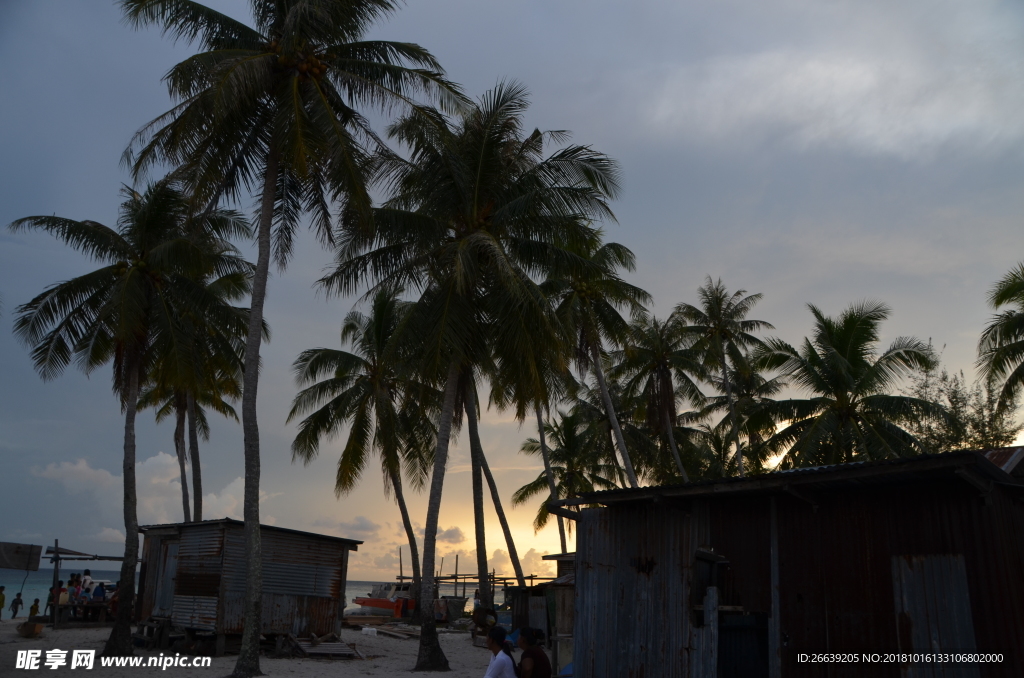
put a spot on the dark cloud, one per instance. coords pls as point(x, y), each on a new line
point(815, 152)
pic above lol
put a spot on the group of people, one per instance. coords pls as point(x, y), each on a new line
point(533, 663)
point(16, 605)
point(81, 590)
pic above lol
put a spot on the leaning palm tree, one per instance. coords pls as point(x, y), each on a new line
point(527, 391)
point(577, 467)
point(1001, 348)
point(851, 414)
point(373, 392)
point(589, 294)
point(474, 210)
point(127, 311)
point(274, 105)
point(722, 332)
point(658, 365)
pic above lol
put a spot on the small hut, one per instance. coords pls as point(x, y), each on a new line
point(751, 577)
point(194, 574)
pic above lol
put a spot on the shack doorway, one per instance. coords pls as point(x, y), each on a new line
point(742, 645)
point(164, 603)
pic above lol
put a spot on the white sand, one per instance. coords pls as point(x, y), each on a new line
point(386, 657)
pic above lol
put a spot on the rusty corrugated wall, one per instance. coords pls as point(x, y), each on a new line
point(302, 583)
point(632, 581)
point(303, 577)
point(197, 583)
point(947, 541)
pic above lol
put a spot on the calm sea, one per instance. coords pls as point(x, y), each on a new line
point(36, 585)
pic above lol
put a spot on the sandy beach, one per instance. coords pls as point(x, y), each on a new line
point(384, 656)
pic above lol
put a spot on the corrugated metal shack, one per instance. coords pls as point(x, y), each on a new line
point(741, 576)
point(194, 574)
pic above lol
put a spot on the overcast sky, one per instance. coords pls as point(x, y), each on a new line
point(823, 152)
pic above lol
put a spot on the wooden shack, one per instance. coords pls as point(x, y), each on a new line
point(747, 577)
point(194, 574)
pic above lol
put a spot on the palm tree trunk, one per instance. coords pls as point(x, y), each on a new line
point(612, 419)
point(547, 470)
point(735, 429)
point(179, 448)
point(193, 453)
point(513, 554)
point(119, 644)
point(248, 663)
point(483, 581)
point(670, 436)
point(414, 552)
point(431, 656)
point(474, 442)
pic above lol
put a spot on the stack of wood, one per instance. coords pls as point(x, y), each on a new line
point(319, 647)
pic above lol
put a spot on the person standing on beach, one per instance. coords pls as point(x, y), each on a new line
point(501, 665)
point(16, 605)
point(34, 610)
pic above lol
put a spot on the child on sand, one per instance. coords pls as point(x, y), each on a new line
point(34, 610)
point(16, 605)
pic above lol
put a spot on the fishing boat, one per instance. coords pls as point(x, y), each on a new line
point(395, 598)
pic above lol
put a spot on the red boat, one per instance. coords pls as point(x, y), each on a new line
point(392, 598)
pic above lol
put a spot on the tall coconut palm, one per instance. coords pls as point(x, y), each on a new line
point(531, 392)
point(475, 210)
point(373, 392)
point(1001, 348)
point(474, 440)
point(589, 294)
point(658, 365)
point(723, 334)
point(188, 403)
point(274, 105)
point(127, 311)
point(577, 466)
point(213, 362)
point(851, 414)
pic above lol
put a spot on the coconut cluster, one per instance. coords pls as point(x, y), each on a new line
point(306, 66)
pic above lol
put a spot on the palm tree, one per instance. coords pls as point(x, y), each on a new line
point(753, 394)
point(127, 311)
point(273, 105)
point(722, 332)
point(188, 403)
point(1001, 348)
point(208, 366)
point(589, 294)
point(475, 210)
point(657, 355)
point(851, 416)
point(577, 467)
point(374, 393)
point(469, 401)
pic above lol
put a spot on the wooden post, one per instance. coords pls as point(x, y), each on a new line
point(455, 592)
point(774, 629)
point(401, 576)
point(56, 576)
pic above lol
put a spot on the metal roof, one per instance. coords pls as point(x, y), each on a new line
point(971, 464)
point(238, 523)
point(1006, 458)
